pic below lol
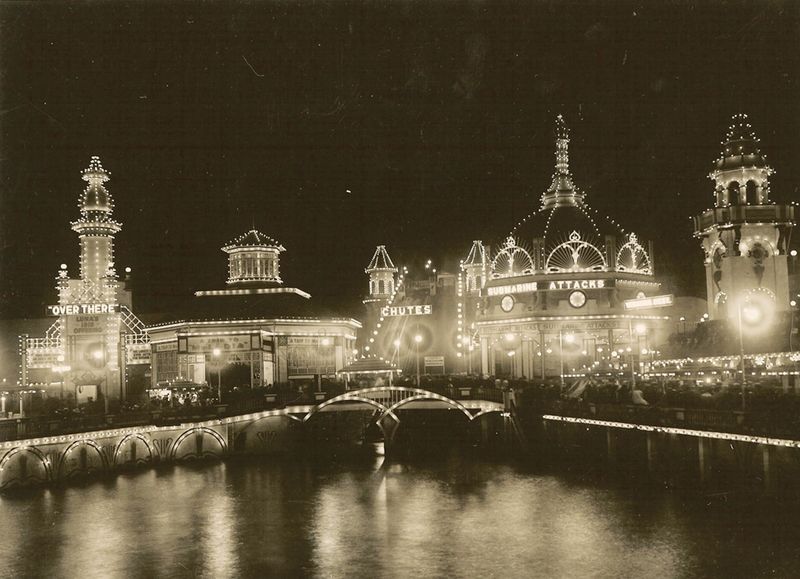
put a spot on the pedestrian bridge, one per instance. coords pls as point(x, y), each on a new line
point(54, 458)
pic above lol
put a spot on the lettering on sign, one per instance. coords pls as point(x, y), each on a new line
point(564, 284)
point(81, 309)
point(588, 325)
point(517, 288)
point(651, 302)
point(86, 324)
point(434, 360)
point(42, 358)
point(396, 311)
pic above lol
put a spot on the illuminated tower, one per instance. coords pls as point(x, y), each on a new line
point(745, 236)
point(474, 267)
point(381, 272)
point(96, 228)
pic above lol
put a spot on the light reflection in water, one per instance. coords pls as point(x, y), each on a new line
point(367, 518)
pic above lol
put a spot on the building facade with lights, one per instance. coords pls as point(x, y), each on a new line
point(413, 317)
point(551, 299)
point(255, 332)
point(96, 346)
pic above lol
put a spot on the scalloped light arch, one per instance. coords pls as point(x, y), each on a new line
point(633, 258)
point(511, 261)
point(575, 255)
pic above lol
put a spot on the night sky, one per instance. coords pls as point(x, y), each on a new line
point(335, 126)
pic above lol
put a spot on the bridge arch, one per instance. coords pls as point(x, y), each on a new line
point(199, 453)
point(349, 397)
point(9, 475)
point(488, 411)
point(430, 396)
point(126, 438)
point(62, 463)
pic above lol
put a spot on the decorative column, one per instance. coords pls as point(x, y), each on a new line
point(485, 356)
point(527, 362)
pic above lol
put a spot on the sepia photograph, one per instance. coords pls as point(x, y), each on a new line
point(399, 289)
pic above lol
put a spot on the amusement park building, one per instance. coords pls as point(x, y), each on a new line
point(255, 332)
point(551, 299)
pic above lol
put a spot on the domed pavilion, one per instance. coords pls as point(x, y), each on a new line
point(553, 299)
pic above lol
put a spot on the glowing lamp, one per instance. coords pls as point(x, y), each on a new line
point(397, 343)
point(751, 313)
point(569, 338)
point(216, 352)
point(325, 341)
point(97, 354)
point(641, 329)
point(418, 338)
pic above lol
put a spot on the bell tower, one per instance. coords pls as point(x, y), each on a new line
point(745, 235)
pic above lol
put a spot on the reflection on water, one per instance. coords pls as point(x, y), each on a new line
point(361, 517)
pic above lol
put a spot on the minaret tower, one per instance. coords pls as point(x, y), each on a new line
point(475, 267)
point(746, 235)
point(381, 272)
point(96, 228)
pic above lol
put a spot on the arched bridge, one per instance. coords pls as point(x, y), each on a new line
point(58, 457)
point(388, 399)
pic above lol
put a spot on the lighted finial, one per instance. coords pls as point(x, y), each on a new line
point(95, 172)
point(562, 131)
point(562, 146)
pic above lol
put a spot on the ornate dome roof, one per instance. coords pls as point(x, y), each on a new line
point(740, 147)
point(563, 208)
point(95, 197)
point(253, 239)
point(573, 233)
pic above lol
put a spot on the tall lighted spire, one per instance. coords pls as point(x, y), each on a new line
point(562, 191)
point(96, 227)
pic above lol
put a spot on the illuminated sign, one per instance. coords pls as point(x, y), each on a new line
point(434, 361)
point(651, 302)
point(563, 284)
point(81, 309)
point(43, 358)
point(517, 288)
point(395, 311)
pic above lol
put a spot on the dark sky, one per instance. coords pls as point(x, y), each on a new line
point(436, 116)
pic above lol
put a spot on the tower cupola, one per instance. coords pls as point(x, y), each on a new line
point(741, 174)
point(254, 258)
point(381, 272)
point(475, 266)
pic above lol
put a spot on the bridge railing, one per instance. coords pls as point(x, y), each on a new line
point(764, 422)
point(37, 426)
